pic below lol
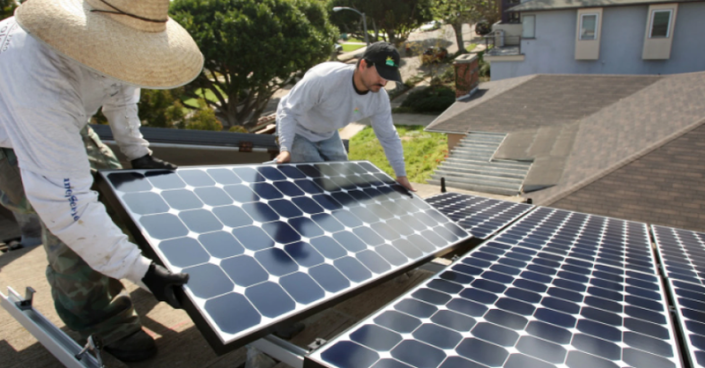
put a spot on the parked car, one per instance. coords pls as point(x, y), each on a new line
point(430, 26)
point(483, 28)
point(434, 55)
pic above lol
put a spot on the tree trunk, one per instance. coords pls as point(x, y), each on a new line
point(392, 37)
point(374, 24)
point(458, 28)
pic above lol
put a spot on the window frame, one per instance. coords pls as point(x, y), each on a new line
point(522, 27)
point(651, 23)
point(595, 35)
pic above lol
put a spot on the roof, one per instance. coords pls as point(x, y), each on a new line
point(578, 128)
point(538, 100)
point(538, 5)
point(625, 131)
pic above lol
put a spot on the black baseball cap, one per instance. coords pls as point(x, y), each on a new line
point(385, 58)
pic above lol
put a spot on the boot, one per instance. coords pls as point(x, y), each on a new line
point(134, 348)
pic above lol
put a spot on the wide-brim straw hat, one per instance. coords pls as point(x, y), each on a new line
point(133, 41)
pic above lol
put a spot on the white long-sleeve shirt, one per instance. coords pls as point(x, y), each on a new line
point(325, 100)
point(45, 100)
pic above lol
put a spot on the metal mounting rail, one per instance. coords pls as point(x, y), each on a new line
point(67, 351)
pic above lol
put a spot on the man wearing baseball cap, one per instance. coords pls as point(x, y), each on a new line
point(61, 60)
point(329, 97)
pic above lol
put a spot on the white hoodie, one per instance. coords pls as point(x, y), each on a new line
point(45, 100)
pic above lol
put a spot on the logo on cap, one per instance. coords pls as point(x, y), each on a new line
point(390, 62)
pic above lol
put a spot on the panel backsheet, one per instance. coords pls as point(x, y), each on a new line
point(682, 255)
point(556, 289)
point(265, 243)
point(482, 217)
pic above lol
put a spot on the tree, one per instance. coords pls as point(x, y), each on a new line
point(253, 48)
point(7, 8)
point(397, 18)
point(161, 108)
point(455, 13)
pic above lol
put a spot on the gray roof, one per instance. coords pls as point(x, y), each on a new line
point(539, 100)
point(577, 128)
point(537, 5)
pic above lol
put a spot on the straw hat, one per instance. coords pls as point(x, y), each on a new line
point(134, 41)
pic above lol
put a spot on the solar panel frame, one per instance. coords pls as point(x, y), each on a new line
point(480, 216)
point(681, 253)
point(468, 269)
point(204, 323)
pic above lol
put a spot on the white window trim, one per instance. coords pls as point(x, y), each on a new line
point(522, 24)
point(670, 20)
point(597, 21)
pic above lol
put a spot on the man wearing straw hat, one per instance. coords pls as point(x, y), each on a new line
point(60, 60)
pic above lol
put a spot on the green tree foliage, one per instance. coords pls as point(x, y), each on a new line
point(7, 8)
point(457, 12)
point(203, 119)
point(396, 18)
point(161, 108)
point(253, 48)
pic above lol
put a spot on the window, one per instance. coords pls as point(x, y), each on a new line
point(660, 23)
point(528, 25)
point(588, 27)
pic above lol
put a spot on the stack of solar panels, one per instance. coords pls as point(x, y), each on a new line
point(682, 254)
point(555, 289)
point(482, 217)
point(265, 245)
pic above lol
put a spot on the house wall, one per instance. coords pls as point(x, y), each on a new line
point(621, 46)
point(664, 187)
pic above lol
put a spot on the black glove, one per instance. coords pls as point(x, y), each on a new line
point(151, 162)
point(161, 283)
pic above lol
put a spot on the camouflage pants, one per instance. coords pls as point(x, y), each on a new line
point(87, 301)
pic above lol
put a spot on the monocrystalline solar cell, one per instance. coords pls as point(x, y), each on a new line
point(527, 305)
point(682, 255)
point(482, 217)
point(264, 244)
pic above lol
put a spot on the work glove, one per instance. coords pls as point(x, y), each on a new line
point(151, 162)
point(161, 282)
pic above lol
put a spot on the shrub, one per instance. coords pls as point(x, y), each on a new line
point(430, 99)
point(203, 119)
point(238, 129)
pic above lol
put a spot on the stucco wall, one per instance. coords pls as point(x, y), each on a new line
point(621, 47)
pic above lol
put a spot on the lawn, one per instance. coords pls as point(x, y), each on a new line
point(423, 151)
point(351, 47)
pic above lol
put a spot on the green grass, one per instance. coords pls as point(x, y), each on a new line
point(423, 151)
point(348, 47)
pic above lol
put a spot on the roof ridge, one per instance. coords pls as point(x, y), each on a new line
point(629, 159)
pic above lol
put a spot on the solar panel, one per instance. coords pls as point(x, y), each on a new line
point(263, 244)
point(550, 299)
point(482, 217)
point(682, 255)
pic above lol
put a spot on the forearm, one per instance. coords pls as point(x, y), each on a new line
point(125, 124)
point(72, 212)
point(286, 129)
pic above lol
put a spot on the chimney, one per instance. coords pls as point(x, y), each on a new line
point(467, 74)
